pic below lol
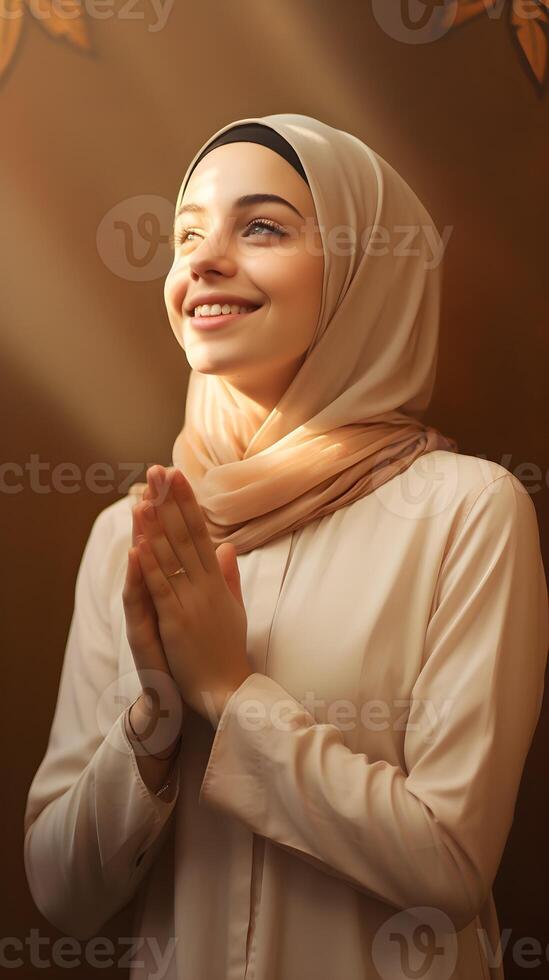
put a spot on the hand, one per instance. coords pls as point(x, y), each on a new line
point(201, 617)
point(161, 699)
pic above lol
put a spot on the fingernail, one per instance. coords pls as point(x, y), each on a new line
point(159, 486)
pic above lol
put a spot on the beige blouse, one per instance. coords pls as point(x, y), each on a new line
point(346, 818)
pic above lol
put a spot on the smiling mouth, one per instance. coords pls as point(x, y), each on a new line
point(212, 322)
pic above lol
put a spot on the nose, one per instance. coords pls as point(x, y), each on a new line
point(211, 256)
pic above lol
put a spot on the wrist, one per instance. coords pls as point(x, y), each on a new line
point(222, 697)
point(153, 727)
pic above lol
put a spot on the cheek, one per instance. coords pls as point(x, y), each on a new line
point(302, 286)
point(174, 291)
point(169, 289)
point(296, 297)
point(288, 274)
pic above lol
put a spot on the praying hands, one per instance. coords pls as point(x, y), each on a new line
point(190, 625)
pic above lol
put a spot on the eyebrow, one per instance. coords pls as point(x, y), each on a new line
point(243, 202)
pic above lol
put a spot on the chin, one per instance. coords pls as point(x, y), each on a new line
point(206, 365)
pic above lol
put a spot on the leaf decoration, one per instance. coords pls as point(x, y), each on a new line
point(528, 19)
point(59, 18)
point(467, 9)
point(11, 23)
point(63, 18)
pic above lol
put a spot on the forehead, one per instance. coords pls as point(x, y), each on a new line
point(235, 169)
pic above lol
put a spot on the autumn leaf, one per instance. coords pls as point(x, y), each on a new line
point(59, 18)
point(62, 19)
point(527, 21)
point(467, 9)
point(11, 22)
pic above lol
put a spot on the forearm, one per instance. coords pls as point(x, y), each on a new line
point(88, 848)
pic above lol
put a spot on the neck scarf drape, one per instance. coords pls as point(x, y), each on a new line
point(350, 420)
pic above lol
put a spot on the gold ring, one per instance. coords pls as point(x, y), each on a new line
point(180, 571)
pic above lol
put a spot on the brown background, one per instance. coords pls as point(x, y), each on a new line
point(92, 372)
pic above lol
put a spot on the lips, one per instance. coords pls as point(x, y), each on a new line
point(235, 308)
point(219, 321)
point(226, 301)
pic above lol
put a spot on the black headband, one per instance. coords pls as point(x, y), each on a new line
point(256, 133)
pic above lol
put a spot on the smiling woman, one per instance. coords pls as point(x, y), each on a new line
point(316, 550)
point(253, 250)
point(278, 377)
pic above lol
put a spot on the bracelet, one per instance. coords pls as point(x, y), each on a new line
point(161, 790)
point(160, 758)
point(166, 784)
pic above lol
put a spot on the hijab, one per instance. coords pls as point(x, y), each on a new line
point(350, 420)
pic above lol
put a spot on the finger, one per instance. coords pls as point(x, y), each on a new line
point(133, 585)
point(138, 528)
point(137, 523)
point(165, 600)
point(163, 551)
point(135, 526)
point(175, 530)
point(136, 595)
point(136, 576)
point(136, 520)
point(185, 527)
point(141, 624)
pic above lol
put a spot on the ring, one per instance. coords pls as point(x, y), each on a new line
point(180, 571)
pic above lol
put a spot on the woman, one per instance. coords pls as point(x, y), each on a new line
point(329, 634)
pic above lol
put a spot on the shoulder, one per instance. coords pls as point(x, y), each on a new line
point(471, 478)
point(484, 501)
point(459, 478)
point(439, 490)
point(466, 473)
point(115, 519)
point(109, 539)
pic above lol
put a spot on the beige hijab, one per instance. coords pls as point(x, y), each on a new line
point(345, 425)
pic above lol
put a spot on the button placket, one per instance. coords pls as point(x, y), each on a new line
point(272, 569)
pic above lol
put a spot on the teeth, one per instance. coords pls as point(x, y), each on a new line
point(216, 309)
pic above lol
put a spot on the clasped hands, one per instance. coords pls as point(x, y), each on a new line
point(192, 626)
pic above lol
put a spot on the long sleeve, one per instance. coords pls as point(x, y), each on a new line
point(432, 832)
point(92, 827)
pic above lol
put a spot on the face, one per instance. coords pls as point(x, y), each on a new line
point(267, 256)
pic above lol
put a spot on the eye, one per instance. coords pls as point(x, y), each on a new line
point(182, 235)
point(270, 225)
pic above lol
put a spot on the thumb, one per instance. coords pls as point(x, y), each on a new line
point(226, 557)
